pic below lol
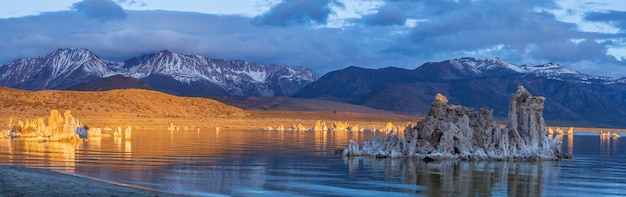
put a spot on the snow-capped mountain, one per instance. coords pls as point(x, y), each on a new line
point(465, 68)
point(549, 69)
point(236, 77)
point(571, 96)
point(486, 65)
point(57, 70)
point(468, 67)
point(555, 71)
point(181, 74)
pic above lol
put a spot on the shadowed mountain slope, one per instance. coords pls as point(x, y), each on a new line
point(573, 98)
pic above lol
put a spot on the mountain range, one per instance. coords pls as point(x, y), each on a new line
point(572, 98)
point(188, 75)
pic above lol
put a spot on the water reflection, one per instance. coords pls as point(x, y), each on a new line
point(570, 144)
point(128, 149)
point(608, 144)
point(465, 178)
point(615, 144)
point(36, 153)
point(94, 143)
point(252, 163)
point(321, 138)
point(605, 144)
point(6, 146)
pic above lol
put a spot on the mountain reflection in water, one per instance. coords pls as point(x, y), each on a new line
point(286, 163)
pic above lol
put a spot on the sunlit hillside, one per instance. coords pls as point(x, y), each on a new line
point(122, 105)
point(146, 109)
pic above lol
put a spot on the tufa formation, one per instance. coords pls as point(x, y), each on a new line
point(454, 131)
point(60, 128)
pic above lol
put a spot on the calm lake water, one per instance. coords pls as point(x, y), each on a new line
point(274, 163)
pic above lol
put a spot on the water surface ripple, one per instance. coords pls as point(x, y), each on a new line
point(275, 163)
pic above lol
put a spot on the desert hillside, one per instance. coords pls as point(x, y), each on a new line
point(123, 105)
point(146, 109)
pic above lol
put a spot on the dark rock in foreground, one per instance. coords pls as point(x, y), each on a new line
point(454, 131)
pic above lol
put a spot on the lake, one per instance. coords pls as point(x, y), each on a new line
point(286, 163)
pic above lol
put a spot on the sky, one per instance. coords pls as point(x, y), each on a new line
point(326, 35)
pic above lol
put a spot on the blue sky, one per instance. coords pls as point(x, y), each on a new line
point(325, 35)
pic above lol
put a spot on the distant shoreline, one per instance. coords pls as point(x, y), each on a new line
point(595, 130)
point(25, 181)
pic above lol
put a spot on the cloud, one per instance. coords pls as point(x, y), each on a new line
point(292, 33)
point(386, 15)
point(297, 12)
point(523, 30)
point(616, 18)
point(478, 24)
point(131, 2)
point(102, 10)
point(567, 51)
point(216, 36)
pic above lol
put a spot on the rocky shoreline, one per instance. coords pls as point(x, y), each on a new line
point(24, 181)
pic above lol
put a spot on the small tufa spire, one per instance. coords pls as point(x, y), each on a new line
point(441, 98)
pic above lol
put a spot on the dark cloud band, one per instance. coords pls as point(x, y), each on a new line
point(103, 10)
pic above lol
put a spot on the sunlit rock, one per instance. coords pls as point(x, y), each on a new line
point(550, 130)
point(172, 127)
point(298, 127)
point(389, 127)
point(59, 128)
point(6, 133)
point(320, 126)
point(6, 130)
point(127, 133)
point(339, 126)
point(94, 132)
point(559, 131)
point(70, 128)
point(605, 134)
point(118, 133)
point(454, 131)
point(27, 129)
point(355, 128)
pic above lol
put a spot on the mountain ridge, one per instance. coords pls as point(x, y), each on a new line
point(572, 97)
point(63, 68)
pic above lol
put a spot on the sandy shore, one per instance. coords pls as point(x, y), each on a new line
point(23, 181)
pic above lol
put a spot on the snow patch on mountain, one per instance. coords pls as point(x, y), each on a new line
point(479, 66)
point(549, 69)
point(231, 75)
point(553, 70)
